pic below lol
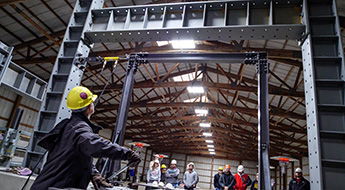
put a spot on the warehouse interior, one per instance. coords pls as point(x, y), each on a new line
point(212, 127)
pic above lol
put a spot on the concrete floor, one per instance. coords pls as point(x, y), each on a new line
point(11, 181)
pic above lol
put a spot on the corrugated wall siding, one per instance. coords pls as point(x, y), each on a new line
point(29, 105)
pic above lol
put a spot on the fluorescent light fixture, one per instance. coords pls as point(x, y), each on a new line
point(211, 150)
point(201, 111)
point(183, 44)
point(205, 124)
point(210, 146)
point(162, 43)
point(195, 89)
point(209, 141)
point(207, 134)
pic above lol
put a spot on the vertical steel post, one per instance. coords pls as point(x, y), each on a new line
point(66, 74)
point(263, 121)
point(122, 115)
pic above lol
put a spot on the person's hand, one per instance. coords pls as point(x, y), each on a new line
point(101, 181)
point(226, 188)
point(194, 186)
point(133, 159)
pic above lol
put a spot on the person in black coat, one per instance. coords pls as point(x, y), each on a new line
point(299, 182)
point(73, 143)
point(217, 177)
point(227, 180)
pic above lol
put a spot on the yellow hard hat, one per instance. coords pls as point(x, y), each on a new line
point(220, 168)
point(80, 97)
point(164, 166)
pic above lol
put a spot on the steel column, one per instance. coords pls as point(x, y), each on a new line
point(323, 65)
point(66, 74)
point(263, 124)
point(122, 115)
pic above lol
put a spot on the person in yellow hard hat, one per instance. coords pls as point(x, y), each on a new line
point(216, 178)
point(73, 143)
point(163, 171)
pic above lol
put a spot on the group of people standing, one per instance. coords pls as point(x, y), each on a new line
point(224, 180)
point(160, 175)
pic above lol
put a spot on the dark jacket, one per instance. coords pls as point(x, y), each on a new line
point(227, 180)
point(216, 181)
point(255, 184)
point(162, 177)
point(302, 185)
point(71, 146)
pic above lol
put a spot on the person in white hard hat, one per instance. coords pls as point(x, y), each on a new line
point(299, 182)
point(154, 174)
point(242, 179)
point(172, 173)
point(190, 177)
point(156, 157)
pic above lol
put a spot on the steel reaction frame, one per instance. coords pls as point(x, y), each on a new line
point(312, 22)
point(257, 59)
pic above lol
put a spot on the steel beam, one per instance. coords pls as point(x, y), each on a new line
point(216, 20)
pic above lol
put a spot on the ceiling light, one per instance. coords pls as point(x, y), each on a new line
point(162, 43)
point(209, 141)
point(188, 77)
point(207, 134)
point(211, 150)
point(205, 124)
point(210, 146)
point(201, 111)
point(183, 44)
point(195, 89)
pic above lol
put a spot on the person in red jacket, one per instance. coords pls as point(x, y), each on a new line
point(242, 179)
